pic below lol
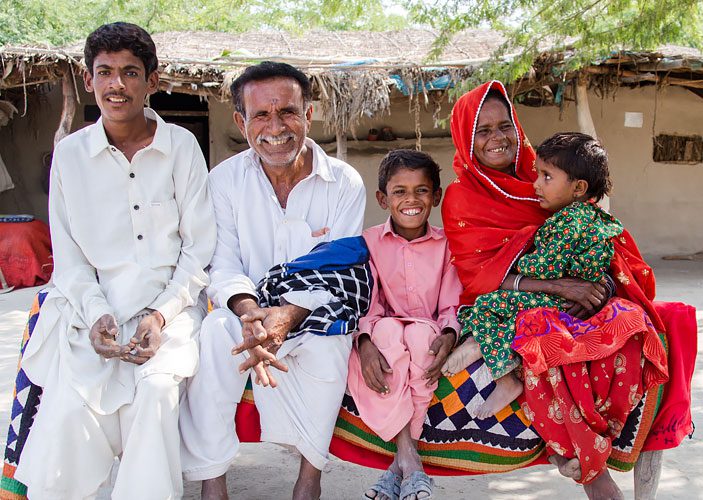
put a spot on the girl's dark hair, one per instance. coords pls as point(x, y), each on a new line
point(120, 36)
point(265, 71)
point(582, 157)
point(412, 160)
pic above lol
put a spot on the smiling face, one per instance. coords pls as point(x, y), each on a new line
point(121, 85)
point(276, 120)
point(554, 188)
point(410, 199)
point(495, 140)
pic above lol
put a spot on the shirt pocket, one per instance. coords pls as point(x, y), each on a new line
point(166, 240)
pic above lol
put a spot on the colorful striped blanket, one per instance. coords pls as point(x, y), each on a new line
point(452, 442)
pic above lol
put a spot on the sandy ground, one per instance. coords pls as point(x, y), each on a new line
point(264, 471)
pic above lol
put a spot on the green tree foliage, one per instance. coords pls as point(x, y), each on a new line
point(58, 22)
point(593, 28)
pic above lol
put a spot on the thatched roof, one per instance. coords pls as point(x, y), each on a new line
point(354, 73)
point(201, 57)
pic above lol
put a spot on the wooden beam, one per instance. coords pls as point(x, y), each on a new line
point(585, 120)
point(69, 104)
point(583, 111)
point(683, 82)
point(341, 145)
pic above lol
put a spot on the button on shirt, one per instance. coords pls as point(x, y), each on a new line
point(129, 236)
point(254, 233)
point(412, 279)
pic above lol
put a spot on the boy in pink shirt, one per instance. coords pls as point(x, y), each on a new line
point(411, 325)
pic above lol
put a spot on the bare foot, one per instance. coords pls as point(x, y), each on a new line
point(570, 468)
point(603, 488)
point(214, 489)
point(508, 387)
point(461, 357)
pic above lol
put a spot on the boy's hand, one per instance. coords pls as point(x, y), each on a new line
point(103, 337)
point(146, 340)
point(440, 349)
point(374, 366)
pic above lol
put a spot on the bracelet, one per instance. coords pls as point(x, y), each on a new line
point(516, 282)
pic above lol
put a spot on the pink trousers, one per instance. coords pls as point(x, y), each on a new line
point(405, 344)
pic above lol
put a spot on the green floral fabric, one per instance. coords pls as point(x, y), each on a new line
point(574, 242)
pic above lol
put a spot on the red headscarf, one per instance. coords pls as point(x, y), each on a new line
point(490, 217)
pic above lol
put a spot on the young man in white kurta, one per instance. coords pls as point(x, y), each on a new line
point(254, 233)
point(129, 238)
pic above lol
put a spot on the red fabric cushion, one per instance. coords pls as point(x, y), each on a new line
point(25, 253)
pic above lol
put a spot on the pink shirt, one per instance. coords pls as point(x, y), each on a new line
point(412, 279)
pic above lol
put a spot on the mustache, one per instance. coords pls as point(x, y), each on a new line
point(269, 138)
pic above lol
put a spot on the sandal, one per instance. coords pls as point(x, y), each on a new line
point(418, 482)
point(388, 484)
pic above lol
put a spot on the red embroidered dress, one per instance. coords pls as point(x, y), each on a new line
point(490, 219)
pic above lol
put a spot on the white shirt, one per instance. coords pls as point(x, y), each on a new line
point(129, 236)
point(254, 233)
point(126, 237)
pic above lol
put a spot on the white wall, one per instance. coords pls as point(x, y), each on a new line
point(661, 204)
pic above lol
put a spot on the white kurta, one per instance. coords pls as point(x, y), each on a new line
point(127, 237)
point(253, 234)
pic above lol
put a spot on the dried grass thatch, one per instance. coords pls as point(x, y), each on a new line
point(351, 70)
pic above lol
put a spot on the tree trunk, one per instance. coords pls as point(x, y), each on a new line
point(585, 120)
point(341, 145)
point(69, 105)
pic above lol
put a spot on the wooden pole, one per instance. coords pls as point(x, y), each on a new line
point(585, 120)
point(583, 111)
point(69, 105)
point(341, 145)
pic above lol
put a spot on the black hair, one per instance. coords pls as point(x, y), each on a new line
point(582, 157)
point(119, 36)
point(412, 160)
point(498, 95)
point(265, 71)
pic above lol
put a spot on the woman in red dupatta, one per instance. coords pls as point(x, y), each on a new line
point(490, 216)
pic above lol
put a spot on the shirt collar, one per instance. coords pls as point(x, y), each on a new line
point(162, 139)
point(320, 161)
point(432, 232)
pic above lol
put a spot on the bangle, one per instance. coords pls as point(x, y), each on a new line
point(516, 282)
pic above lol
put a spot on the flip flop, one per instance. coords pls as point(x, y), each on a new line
point(418, 482)
point(388, 484)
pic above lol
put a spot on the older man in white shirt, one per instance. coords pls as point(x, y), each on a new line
point(131, 227)
point(273, 203)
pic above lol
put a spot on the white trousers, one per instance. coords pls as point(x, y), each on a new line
point(71, 449)
point(301, 411)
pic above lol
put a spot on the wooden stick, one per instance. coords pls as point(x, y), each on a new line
point(69, 105)
point(341, 145)
point(583, 111)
